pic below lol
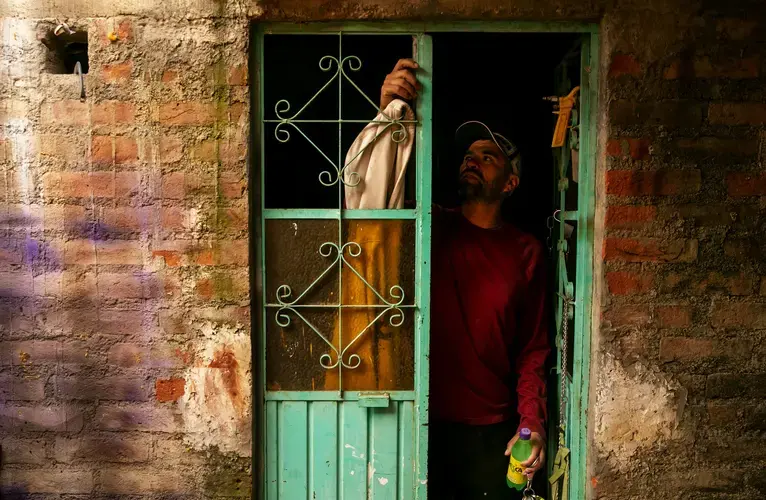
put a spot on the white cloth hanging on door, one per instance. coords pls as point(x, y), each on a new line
point(380, 161)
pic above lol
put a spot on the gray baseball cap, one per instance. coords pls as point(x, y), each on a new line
point(472, 131)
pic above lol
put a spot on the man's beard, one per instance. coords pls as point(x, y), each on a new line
point(481, 192)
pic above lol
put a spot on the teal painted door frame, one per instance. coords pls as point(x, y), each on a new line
point(306, 409)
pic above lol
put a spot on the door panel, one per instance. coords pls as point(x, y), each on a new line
point(318, 448)
point(564, 223)
point(344, 292)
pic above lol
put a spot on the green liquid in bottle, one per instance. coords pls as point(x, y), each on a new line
point(522, 448)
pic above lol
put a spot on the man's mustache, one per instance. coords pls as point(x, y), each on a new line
point(473, 171)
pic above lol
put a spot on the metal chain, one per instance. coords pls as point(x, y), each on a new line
point(529, 493)
point(564, 343)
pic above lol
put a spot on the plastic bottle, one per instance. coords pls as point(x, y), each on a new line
point(521, 450)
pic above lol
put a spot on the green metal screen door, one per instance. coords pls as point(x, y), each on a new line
point(345, 293)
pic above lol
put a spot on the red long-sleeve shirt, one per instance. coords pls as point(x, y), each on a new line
point(488, 324)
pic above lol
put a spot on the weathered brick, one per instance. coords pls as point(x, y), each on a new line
point(156, 356)
point(232, 185)
point(219, 151)
point(101, 150)
point(126, 184)
point(73, 353)
point(173, 186)
point(736, 28)
point(69, 112)
point(6, 150)
point(102, 448)
point(657, 182)
point(122, 322)
point(78, 285)
point(686, 349)
point(728, 314)
point(67, 147)
point(650, 250)
point(121, 285)
point(628, 315)
point(736, 412)
point(169, 389)
point(125, 150)
point(718, 146)
point(56, 481)
point(187, 113)
point(79, 184)
point(29, 351)
point(705, 67)
point(11, 253)
point(220, 285)
point(142, 417)
point(128, 218)
point(81, 251)
point(625, 216)
point(698, 480)
point(746, 184)
point(21, 388)
point(112, 73)
point(119, 252)
point(131, 481)
point(734, 385)
point(22, 451)
point(13, 109)
point(674, 316)
point(169, 75)
point(124, 30)
point(41, 418)
point(174, 219)
point(636, 148)
point(113, 113)
point(115, 388)
point(714, 281)
point(66, 217)
point(128, 355)
point(17, 284)
point(177, 452)
point(702, 214)
point(745, 249)
point(744, 450)
point(737, 113)
point(230, 315)
point(234, 252)
point(232, 218)
point(172, 258)
point(675, 113)
point(171, 149)
point(237, 75)
point(172, 323)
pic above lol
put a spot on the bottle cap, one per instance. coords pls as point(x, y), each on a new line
point(525, 434)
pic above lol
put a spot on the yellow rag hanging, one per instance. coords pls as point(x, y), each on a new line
point(378, 346)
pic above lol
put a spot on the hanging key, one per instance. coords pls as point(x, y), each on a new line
point(529, 493)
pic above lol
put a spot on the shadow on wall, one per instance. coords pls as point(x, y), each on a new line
point(97, 371)
point(63, 368)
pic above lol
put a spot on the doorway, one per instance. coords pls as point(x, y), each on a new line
point(318, 434)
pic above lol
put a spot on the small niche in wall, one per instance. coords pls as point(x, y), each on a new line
point(66, 47)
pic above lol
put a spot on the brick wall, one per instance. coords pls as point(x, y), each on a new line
point(124, 257)
point(124, 262)
point(683, 306)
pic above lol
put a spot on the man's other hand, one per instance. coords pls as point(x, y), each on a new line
point(401, 82)
point(536, 459)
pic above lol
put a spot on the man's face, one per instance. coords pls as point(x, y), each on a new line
point(484, 174)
